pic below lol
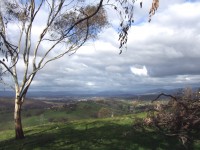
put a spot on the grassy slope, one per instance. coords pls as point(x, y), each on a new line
point(115, 133)
point(90, 134)
point(39, 116)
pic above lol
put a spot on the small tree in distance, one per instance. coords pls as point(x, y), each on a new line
point(68, 23)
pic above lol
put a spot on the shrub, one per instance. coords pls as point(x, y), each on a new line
point(104, 112)
point(180, 117)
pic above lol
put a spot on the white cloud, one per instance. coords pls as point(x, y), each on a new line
point(90, 83)
point(139, 71)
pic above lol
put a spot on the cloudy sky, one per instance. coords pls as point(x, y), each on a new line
point(162, 54)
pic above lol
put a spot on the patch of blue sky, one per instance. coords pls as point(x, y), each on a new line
point(192, 1)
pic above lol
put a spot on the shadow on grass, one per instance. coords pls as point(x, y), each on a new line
point(93, 136)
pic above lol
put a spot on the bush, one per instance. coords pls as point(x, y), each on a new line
point(180, 117)
point(104, 112)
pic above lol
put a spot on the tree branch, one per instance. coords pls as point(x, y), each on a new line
point(7, 68)
point(162, 94)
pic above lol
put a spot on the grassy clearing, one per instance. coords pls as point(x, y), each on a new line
point(92, 134)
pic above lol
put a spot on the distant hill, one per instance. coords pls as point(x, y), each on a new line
point(58, 94)
point(124, 94)
point(7, 94)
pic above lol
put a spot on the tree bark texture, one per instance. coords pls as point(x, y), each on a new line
point(19, 133)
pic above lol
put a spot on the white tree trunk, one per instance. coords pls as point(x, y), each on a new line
point(19, 134)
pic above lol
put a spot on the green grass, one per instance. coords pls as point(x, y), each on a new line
point(91, 134)
point(79, 130)
point(84, 110)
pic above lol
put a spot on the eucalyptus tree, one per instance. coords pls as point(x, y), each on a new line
point(66, 25)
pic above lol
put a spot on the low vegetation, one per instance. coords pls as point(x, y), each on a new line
point(180, 117)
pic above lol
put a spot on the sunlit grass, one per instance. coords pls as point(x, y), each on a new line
point(115, 133)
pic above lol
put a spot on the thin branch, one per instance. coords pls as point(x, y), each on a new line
point(71, 28)
point(69, 50)
point(2, 23)
point(38, 8)
point(7, 85)
point(49, 22)
point(7, 68)
point(162, 94)
point(86, 18)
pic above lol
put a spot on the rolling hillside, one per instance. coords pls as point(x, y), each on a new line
point(118, 133)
